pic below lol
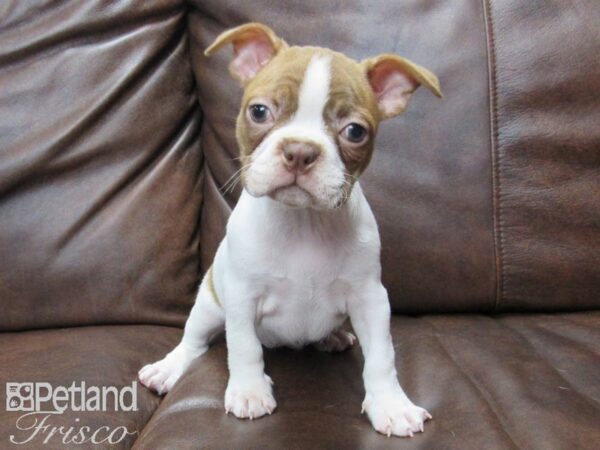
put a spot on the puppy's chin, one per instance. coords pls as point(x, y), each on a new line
point(293, 196)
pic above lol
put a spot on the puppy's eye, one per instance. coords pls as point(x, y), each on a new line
point(259, 113)
point(355, 133)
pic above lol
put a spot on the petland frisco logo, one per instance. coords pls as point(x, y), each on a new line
point(41, 402)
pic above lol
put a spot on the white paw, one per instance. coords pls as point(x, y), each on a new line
point(162, 375)
point(250, 399)
point(337, 341)
point(393, 415)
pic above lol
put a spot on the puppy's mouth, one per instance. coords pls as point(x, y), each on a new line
point(292, 194)
point(291, 184)
point(295, 190)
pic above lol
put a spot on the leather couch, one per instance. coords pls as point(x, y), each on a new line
point(116, 138)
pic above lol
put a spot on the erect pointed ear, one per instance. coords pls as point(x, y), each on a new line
point(254, 45)
point(394, 79)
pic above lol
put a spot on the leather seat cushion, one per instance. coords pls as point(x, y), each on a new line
point(100, 356)
point(513, 381)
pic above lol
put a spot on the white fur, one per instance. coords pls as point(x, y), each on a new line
point(292, 276)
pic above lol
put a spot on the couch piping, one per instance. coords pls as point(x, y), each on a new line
point(495, 153)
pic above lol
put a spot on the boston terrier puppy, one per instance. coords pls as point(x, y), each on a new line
point(302, 249)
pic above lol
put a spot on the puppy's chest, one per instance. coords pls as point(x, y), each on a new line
point(304, 295)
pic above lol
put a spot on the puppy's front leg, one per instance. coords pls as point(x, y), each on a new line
point(249, 392)
point(386, 404)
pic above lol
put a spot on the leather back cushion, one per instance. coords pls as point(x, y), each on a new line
point(429, 181)
point(99, 164)
point(546, 136)
point(486, 200)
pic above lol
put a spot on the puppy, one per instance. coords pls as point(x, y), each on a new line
point(301, 253)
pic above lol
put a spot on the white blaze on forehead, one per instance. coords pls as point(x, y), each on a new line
point(314, 91)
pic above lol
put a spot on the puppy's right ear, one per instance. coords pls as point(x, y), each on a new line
point(254, 45)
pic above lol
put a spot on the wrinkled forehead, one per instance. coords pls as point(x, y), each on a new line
point(313, 73)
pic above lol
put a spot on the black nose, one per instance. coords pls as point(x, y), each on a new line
point(299, 156)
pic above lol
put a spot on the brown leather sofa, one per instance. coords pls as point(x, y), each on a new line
point(116, 135)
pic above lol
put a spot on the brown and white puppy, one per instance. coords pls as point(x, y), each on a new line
point(301, 253)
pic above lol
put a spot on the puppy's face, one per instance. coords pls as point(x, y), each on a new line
point(309, 115)
point(306, 128)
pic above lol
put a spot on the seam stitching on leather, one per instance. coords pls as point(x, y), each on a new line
point(494, 138)
point(485, 394)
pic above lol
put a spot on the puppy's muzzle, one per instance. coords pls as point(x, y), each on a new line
point(299, 157)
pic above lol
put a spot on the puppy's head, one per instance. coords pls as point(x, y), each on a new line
point(309, 115)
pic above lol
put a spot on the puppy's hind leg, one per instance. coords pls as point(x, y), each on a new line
point(206, 320)
point(337, 341)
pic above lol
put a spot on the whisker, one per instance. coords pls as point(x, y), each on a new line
point(346, 187)
point(234, 184)
point(223, 188)
point(233, 180)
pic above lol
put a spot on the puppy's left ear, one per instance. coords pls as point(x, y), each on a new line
point(254, 45)
point(393, 79)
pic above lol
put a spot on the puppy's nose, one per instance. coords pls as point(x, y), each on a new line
point(299, 156)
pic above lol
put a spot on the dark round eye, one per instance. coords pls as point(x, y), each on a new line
point(355, 133)
point(259, 113)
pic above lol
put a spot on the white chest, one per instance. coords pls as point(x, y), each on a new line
point(304, 297)
point(300, 266)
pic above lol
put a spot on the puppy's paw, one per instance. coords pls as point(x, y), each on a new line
point(162, 375)
point(250, 399)
point(337, 341)
point(394, 415)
